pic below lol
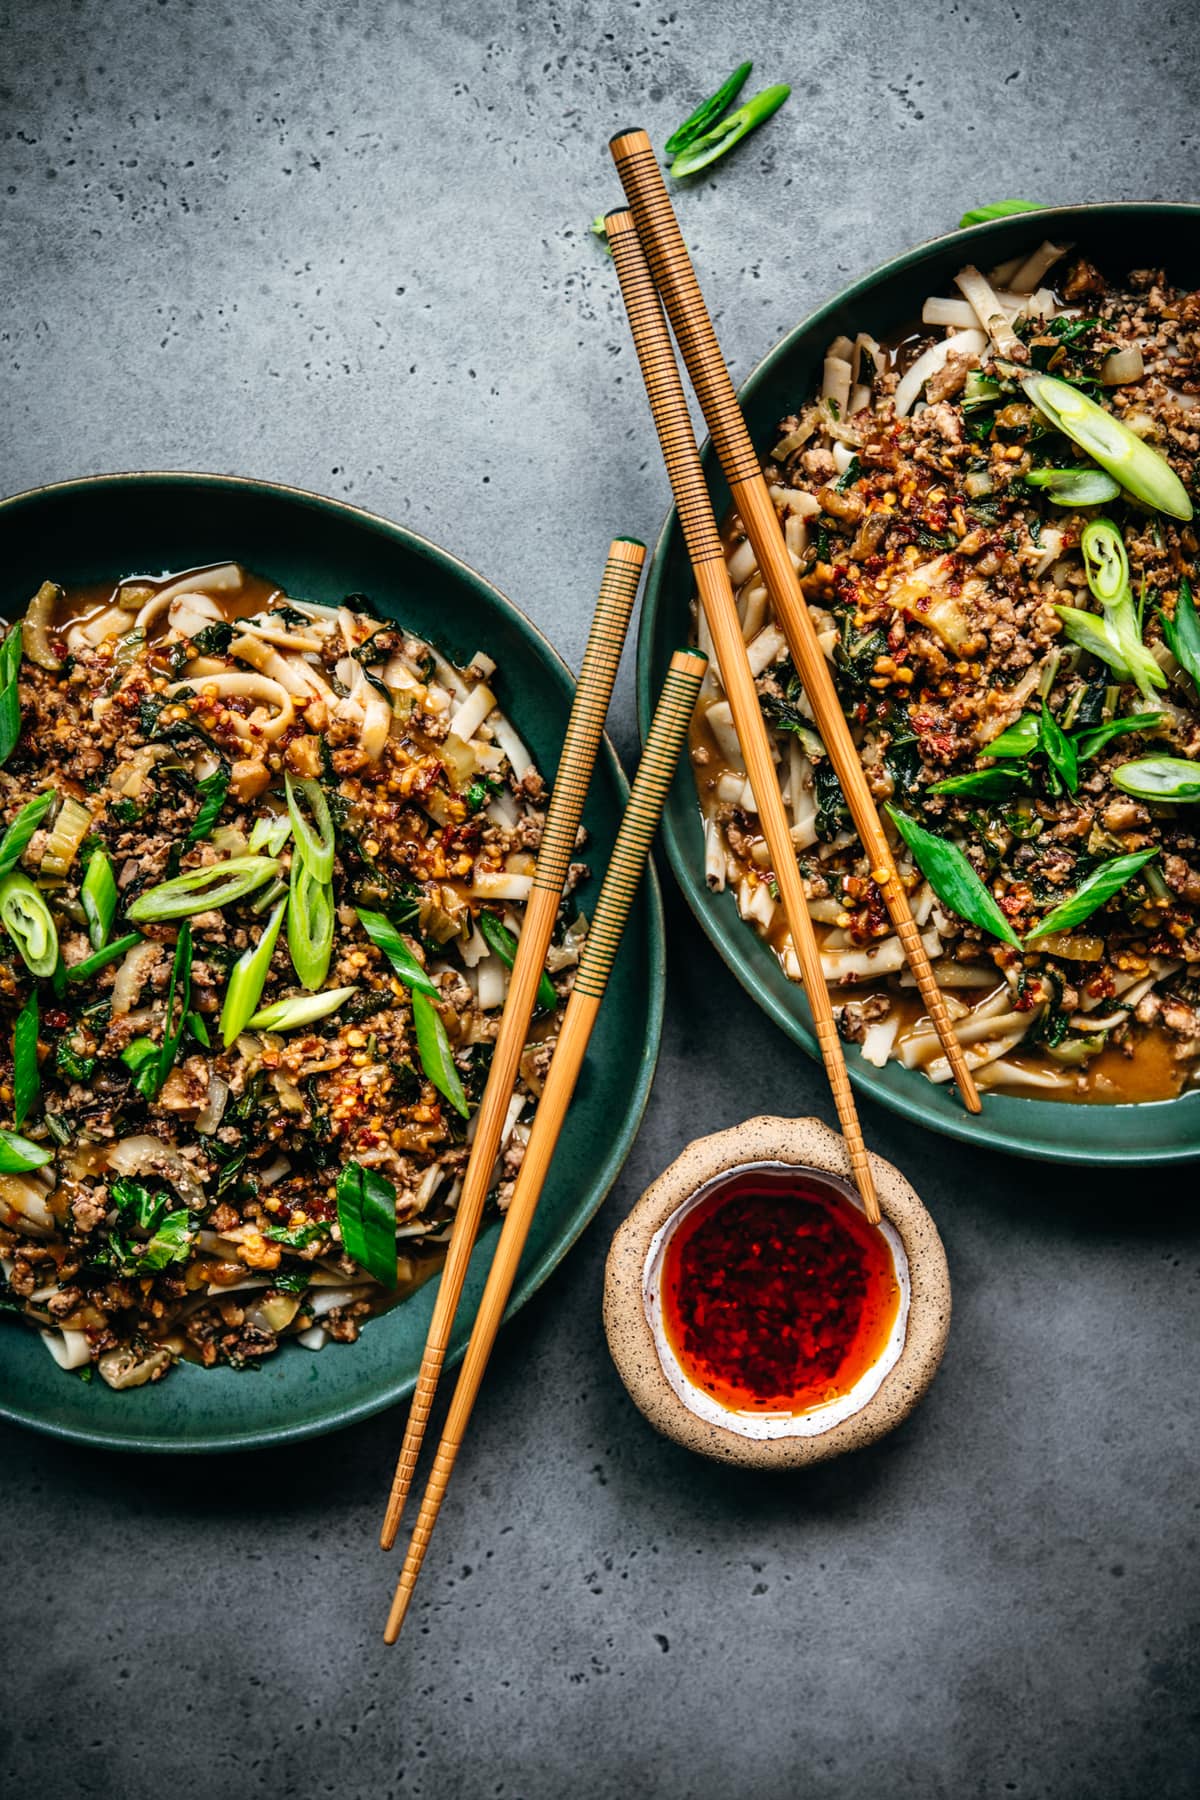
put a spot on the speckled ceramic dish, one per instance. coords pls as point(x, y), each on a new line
point(83, 530)
point(883, 1397)
point(1126, 235)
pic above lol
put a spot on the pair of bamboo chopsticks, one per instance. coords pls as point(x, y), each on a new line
point(652, 261)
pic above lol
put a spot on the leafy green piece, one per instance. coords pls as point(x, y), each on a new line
point(1090, 743)
point(952, 878)
point(433, 1047)
point(366, 1204)
point(312, 825)
point(248, 977)
point(1000, 209)
point(18, 1154)
point(384, 935)
point(1022, 738)
point(179, 996)
point(27, 1080)
point(29, 924)
point(1182, 634)
point(215, 885)
point(214, 639)
point(985, 784)
point(70, 1064)
point(99, 897)
point(1161, 778)
point(599, 228)
point(141, 1058)
point(296, 1237)
point(1060, 751)
point(15, 839)
point(199, 1030)
point(309, 924)
point(212, 791)
point(729, 131)
point(91, 965)
point(708, 111)
point(1075, 487)
point(10, 696)
point(1091, 894)
point(1138, 467)
point(500, 939)
point(299, 1009)
point(169, 1234)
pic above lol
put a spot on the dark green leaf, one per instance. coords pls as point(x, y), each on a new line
point(214, 639)
point(212, 791)
point(26, 1079)
point(296, 1237)
point(1021, 739)
point(18, 1154)
point(433, 1047)
point(1182, 633)
point(141, 1058)
point(1090, 743)
point(70, 1064)
point(1091, 894)
point(952, 878)
point(729, 131)
point(985, 784)
point(366, 1203)
point(500, 939)
point(1060, 751)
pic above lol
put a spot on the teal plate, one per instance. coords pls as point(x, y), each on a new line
point(1118, 237)
point(323, 549)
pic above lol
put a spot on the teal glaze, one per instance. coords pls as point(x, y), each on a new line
point(1119, 237)
point(324, 549)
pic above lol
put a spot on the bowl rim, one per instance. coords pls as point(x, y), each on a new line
point(618, 1147)
point(963, 1127)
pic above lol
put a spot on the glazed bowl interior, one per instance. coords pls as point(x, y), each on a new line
point(322, 550)
point(1117, 237)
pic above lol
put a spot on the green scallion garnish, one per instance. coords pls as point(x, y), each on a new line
point(26, 1079)
point(729, 131)
point(433, 1047)
point(179, 998)
point(271, 832)
point(19, 1154)
point(212, 791)
point(200, 890)
point(708, 112)
point(385, 936)
point(91, 965)
point(29, 924)
point(1000, 209)
point(309, 924)
point(10, 697)
point(247, 978)
point(952, 878)
point(299, 1009)
point(1138, 467)
point(1091, 894)
point(1160, 779)
point(366, 1205)
point(312, 825)
point(16, 838)
point(1075, 487)
point(99, 897)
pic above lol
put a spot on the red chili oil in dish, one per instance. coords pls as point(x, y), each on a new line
point(777, 1293)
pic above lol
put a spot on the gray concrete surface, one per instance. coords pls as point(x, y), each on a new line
point(345, 245)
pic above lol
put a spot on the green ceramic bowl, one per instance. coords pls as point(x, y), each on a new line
point(1119, 237)
point(323, 549)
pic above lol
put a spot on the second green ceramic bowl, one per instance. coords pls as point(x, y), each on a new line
point(1119, 237)
point(322, 549)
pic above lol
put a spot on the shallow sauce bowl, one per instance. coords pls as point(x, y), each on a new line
point(321, 549)
point(1118, 237)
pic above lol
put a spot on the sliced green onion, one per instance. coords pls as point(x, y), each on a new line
point(500, 939)
point(199, 1030)
point(18, 1154)
point(730, 131)
point(299, 1009)
point(1091, 894)
point(271, 832)
point(27, 1080)
point(986, 784)
point(212, 791)
point(1001, 209)
point(179, 995)
point(265, 899)
point(1161, 778)
point(599, 228)
point(1182, 634)
point(366, 1205)
point(1021, 738)
point(29, 924)
point(309, 924)
point(248, 977)
point(141, 1058)
point(1090, 743)
point(10, 694)
point(1138, 467)
point(952, 878)
point(1092, 634)
point(312, 826)
point(1060, 751)
point(219, 884)
point(1105, 561)
point(72, 825)
point(1075, 487)
point(708, 111)
point(91, 965)
point(99, 897)
point(433, 1047)
point(15, 839)
point(384, 935)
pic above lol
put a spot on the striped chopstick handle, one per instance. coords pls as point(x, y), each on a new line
point(675, 279)
point(606, 639)
point(656, 770)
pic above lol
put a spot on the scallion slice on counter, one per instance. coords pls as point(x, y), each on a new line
point(366, 1206)
point(299, 1009)
point(10, 695)
point(433, 1047)
point(29, 924)
point(708, 111)
point(26, 1079)
point(15, 839)
point(1000, 209)
point(1138, 467)
point(271, 832)
point(1091, 894)
point(309, 924)
point(247, 978)
point(212, 790)
point(1075, 487)
point(216, 885)
point(499, 938)
point(1159, 778)
point(99, 897)
point(91, 965)
point(179, 999)
point(312, 825)
point(384, 935)
point(19, 1154)
point(728, 132)
point(1182, 634)
point(952, 878)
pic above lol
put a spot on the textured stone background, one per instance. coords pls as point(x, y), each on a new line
point(345, 245)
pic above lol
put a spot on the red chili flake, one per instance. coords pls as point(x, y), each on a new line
point(56, 1019)
point(777, 1293)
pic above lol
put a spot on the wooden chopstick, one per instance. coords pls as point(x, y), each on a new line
point(675, 279)
point(664, 389)
point(660, 758)
point(618, 589)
